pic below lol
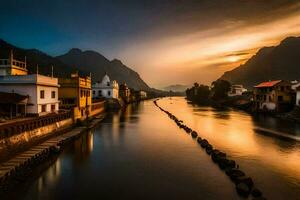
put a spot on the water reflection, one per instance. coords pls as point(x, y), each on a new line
point(273, 160)
point(83, 147)
point(138, 153)
point(50, 177)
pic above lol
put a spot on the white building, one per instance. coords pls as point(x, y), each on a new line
point(12, 66)
point(143, 94)
point(106, 88)
point(296, 87)
point(295, 84)
point(236, 90)
point(41, 90)
point(298, 96)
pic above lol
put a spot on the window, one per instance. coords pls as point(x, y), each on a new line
point(94, 92)
point(282, 88)
point(53, 94)
point(99, 93)
point(280, 98)
point(108, 84)
point(43, 108)
point(42, 94)
point(270, 99)
point(81, 93)
point(52, 107)
point(108, 93)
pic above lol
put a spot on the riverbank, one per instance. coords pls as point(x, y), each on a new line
point(17, 169)
point(244, 103)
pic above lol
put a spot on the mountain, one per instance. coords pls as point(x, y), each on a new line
point(98, 65)
point(269, 63)
point(176, 88)
point(35, 57)
point(76, 60)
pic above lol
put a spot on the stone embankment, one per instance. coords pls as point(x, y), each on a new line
point(19, 168)
point(244, 184)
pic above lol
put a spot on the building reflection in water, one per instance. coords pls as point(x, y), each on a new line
point(83, 147)
point(50, 177)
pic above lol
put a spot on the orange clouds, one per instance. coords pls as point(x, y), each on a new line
point(204, 55)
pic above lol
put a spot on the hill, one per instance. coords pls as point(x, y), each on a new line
point(269, 63)
point(176, 88)
point(98, 65)
point(35, 57)
point(76, 60)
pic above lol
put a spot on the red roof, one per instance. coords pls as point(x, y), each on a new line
point(267, 84)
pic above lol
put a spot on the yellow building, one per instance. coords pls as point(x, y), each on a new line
point(273, 96)
point(12, 66)
point(75, 93)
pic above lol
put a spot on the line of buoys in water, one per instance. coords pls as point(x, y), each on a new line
point(244, 184)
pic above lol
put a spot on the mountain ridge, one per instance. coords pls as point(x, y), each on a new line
point(269, 63)
point(176, 88)
point(82, 61)
point(98, 65)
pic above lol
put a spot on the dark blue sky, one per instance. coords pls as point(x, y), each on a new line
point(149, 35)
point(54, 26)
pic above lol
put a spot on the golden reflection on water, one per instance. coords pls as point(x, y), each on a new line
point(234, 132)
point(50, 177)
point(84, 146)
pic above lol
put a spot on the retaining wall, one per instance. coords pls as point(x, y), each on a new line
point(22, 135)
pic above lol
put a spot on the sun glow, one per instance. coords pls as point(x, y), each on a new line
point(233, 59)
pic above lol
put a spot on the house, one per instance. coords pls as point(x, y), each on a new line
point(11, 66)
point(295, 84)
point(42, 92)
point(273, 96)
point(140, 95)
point(298, 96)
point(13, 105)
point(106, 88)
point(236, 90)
point(75, 94)
point(124, 92)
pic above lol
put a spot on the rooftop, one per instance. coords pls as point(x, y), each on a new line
point(267, 84)
point(29, 79)
point(11, 97)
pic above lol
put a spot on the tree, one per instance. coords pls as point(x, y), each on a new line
point(198, 93)
point(220, 89)
point(202, 92)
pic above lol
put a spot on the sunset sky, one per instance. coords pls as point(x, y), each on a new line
point(165, 41)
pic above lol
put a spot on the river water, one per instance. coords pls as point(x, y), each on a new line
point(139, 153)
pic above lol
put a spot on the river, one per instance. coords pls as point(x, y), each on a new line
point(139, 153)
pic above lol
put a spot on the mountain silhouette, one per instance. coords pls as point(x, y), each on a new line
point(269, 63)
point(85, 62)
point(98, 65)
point(176, 88)
point(36, 58)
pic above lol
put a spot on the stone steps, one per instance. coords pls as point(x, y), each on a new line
point(9, 167)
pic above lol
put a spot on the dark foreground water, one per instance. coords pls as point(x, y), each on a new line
point(139, 153)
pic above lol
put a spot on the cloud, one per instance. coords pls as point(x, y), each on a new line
point(197, 50)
